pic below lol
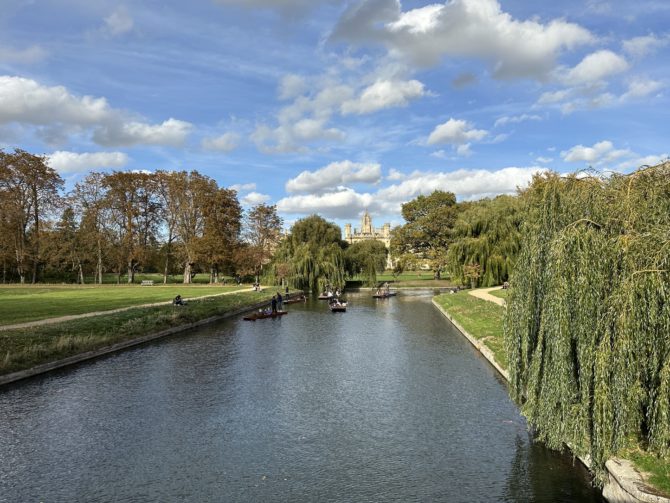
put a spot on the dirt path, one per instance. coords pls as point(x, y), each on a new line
point(59, 319)
point(483, 293)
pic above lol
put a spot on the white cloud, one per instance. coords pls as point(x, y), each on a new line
point(72, 162)
point(515, 119)
point(384, 94)
point(466, 184)
point(462, 28)
point(638, 162)
point(544, 160)
point(596, 66)
point(333, 175)
point(29, 55)
point(26, 101)
point(171, 132)
point(254, 198)
point(455, 132)
point(119, 22)
point(227, 142)
point(639, 47)
point(291, 86)
point(243, 187)
point(600, 153)
point(395, 175)
point(640, 87)
point(59, 113)
point(345, 203)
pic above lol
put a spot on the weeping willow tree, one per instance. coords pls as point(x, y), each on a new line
point(587, 326)
point(486, 234)
point(311, 256)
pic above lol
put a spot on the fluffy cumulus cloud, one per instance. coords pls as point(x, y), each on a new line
point(462, 28)
point(243, 187)
point(254, 198)
point(58, 112)
point(345, 202)
point(171, 132)
point(455, 132)
point(72, 162)
point(604, 155)
point(26, 101)
point(334, 175)
point(641, 87)
point(384, 94)
point(600, 152)
point(595, 67)
point(227, 142)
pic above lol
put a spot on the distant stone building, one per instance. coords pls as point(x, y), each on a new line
point(367, 232)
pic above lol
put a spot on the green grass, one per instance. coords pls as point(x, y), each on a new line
point(656, 470)
point(480, 318)
point(28, 303)
point(25, 348)
point(499, 293)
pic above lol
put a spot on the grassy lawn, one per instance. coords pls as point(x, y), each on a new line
point(413, 279)
point(482, 319)
point(499, 293)
point(27, 303)
point(22, 349)
point(656, 470)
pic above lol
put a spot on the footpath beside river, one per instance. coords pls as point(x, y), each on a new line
point(625, 484)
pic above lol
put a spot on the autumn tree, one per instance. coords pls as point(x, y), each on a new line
point(30, 190)
point(222, 221)
point(262, 232)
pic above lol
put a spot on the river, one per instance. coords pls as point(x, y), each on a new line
point(386, 402)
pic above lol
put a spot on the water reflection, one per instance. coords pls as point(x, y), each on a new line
point(382, 403)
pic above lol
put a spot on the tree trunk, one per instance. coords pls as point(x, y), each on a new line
point(187, 272)
point(98, 267)
point(81, 274)
point(131, 272)
point(167, 259)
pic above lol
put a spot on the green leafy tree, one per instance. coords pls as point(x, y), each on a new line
point(366, 258)
point(588, 317)
point(315, 251)
point(427, 232)
point(262, 232)
point(486, 233)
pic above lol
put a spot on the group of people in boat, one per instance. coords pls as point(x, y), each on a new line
point(385, 289)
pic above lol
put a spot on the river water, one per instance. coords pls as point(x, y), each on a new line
point(386, 402)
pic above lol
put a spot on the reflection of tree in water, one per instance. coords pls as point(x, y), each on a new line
point(540, 475)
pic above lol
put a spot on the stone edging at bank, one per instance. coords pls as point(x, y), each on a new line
point(120, 346)
point(625, 485)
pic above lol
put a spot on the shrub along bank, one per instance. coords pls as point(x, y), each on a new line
point(28, 347)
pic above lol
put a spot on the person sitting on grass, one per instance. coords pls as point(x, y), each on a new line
point(178, 301)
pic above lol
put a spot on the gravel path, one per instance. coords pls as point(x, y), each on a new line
point(483, 293)
point(59, 319)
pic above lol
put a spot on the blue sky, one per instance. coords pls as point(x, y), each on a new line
point(332, 107)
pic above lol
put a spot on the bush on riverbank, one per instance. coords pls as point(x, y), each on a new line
point(588, 318)
point(26, 348)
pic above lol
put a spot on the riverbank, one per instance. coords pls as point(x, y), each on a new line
point(37, 349)
point(480, 321)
